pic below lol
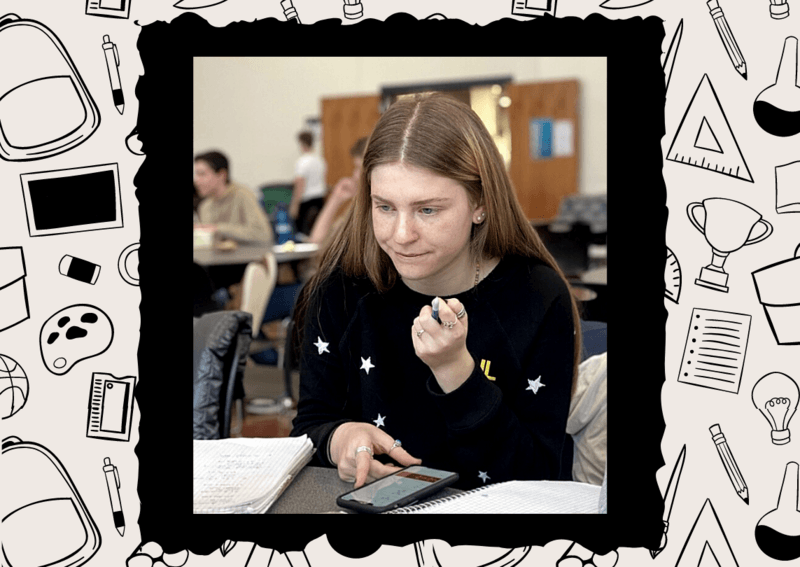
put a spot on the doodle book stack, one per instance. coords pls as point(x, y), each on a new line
point(245, 476)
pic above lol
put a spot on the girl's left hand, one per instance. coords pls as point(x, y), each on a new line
point(443, 347)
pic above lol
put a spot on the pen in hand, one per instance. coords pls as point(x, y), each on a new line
point(435, 314)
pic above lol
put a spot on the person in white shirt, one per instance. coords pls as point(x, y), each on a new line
point(309, 191)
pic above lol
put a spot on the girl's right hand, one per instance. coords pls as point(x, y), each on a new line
point(361, 467)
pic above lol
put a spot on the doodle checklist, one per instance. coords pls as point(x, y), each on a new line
point(715, 348)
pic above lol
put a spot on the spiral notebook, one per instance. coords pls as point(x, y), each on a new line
point(245, 476)
point(516, 497)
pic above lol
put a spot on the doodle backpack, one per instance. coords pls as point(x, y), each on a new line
point(45, 107)
point(44, 518)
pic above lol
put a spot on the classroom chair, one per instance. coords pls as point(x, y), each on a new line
point(258, 283)
point(584, 453)
point(221, 340)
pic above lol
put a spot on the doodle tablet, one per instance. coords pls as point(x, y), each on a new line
point(72, 200)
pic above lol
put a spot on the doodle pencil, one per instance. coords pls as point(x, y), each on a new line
point(725, 34)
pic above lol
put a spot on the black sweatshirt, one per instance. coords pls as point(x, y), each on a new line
point(507, 421)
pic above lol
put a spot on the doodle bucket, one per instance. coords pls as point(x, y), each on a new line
point(777, 289)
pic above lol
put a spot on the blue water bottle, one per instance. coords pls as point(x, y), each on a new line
point(283, 226)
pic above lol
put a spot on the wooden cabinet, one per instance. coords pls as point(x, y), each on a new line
point(541, 182)
point(344, 121)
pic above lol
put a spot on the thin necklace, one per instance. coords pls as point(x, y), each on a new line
point(477, 272)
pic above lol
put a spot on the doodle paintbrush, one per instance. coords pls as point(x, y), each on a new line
point(669, 498)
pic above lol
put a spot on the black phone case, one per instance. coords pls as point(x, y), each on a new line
point(405, 501)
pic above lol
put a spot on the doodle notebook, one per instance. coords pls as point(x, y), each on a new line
point(516, 497)
point(245, 476)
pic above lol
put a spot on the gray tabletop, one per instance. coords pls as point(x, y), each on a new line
point(315, 490)
point(246, 253)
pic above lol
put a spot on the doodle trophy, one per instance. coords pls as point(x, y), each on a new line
point(727, 227)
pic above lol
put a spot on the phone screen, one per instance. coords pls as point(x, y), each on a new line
point(390, 489)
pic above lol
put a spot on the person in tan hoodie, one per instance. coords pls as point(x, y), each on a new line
point(231, 210)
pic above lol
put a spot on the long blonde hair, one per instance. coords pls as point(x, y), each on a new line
point(443, 135)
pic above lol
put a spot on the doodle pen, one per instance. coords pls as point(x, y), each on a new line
point(727, 38)
point(112, 63)
point(112, 481)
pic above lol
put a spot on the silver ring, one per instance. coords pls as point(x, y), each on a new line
point(395, 445)
point(449, 324)
point(419, 333)
point(364, 448)
point(461, 313)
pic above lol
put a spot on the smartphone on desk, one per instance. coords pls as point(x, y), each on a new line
point(402, 488)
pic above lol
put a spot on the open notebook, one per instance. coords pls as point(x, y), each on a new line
point(245, 476)
point(516, 497)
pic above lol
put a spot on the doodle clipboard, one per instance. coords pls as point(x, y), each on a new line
point(110, 407)
point(45, 107)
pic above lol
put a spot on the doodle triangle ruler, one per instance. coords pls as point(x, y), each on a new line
point(707, 545)
point(704, 137)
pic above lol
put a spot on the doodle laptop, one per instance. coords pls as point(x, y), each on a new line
point(45, 107)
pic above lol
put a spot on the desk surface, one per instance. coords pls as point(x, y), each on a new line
point(596, 276)
point(315, 490)
point(246, 253)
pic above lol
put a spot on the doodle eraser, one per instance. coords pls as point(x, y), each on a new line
point(79, 269)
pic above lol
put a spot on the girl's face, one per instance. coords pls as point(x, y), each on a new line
point(423, 222)
point(208, 181)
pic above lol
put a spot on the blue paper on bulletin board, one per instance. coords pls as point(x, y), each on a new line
point(541, 138)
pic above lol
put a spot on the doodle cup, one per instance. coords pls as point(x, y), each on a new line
point(728, 226)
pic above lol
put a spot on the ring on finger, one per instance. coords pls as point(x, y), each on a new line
point(364, 448)
point(461, 313)
point(419, 333)
point(449, 324)
point(395, 445)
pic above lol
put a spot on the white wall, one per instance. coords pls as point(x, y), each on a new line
point(253, 108)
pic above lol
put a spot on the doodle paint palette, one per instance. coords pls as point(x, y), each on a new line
point(45, 108)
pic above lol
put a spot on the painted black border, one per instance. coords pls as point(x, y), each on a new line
point(635, 187)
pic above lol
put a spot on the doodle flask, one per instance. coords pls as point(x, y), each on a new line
point(778, 533)
point(45, 107)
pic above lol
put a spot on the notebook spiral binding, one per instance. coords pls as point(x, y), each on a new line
point(432, 503)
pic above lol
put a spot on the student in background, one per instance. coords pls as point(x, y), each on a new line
point(342, 192)
point(309, 190)
point(231, 208)
point(486, 391)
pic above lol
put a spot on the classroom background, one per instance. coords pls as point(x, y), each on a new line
point(547, 116)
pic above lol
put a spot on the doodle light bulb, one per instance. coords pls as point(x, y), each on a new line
point(775, 396)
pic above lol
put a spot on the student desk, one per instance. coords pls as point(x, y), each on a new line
point(315, 490)
point(246, 253)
